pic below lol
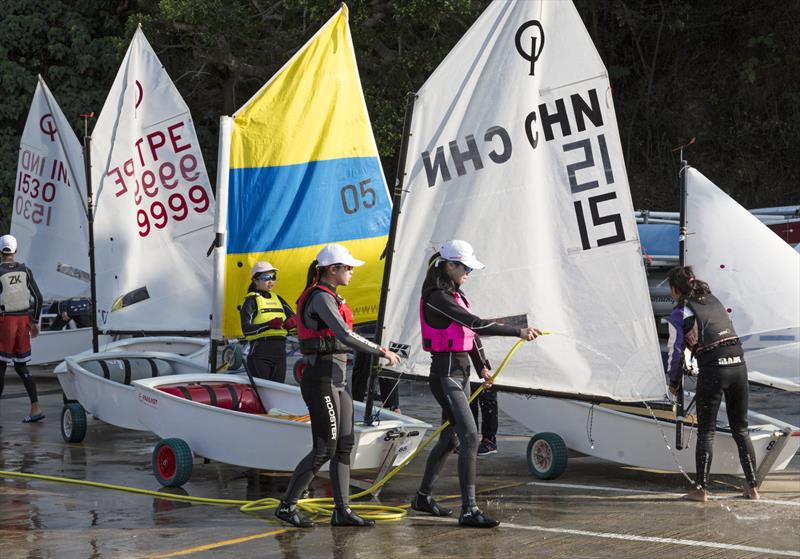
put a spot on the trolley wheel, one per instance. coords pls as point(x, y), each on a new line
point(172, 462)
point(73, 422)
point(232, 356)
point(547, 455)
point(299, 368)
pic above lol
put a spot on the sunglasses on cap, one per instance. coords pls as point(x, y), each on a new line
point(267, 277)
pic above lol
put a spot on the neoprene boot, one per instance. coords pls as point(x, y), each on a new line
point(291, 514)
point(425, 503)
point(346, 517)
point(474, 518)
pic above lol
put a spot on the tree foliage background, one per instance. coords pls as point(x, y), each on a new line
point(725, 72)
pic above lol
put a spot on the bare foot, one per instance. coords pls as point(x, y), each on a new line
point(697, 494)
point(751, 493)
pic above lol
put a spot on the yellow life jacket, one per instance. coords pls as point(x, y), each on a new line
point(14, 294)
point(267, 310)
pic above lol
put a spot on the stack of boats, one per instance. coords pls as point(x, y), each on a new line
point(596, 385)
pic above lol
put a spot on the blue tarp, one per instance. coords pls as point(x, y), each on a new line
point(659, 239)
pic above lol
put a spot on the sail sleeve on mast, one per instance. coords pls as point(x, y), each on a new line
point(305, 172)
point(514, 147)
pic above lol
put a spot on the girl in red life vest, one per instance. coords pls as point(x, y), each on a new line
point(266, 320)
point(450, 332)
point(325, 331)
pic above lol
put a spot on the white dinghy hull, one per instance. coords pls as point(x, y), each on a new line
point(103, 392)
point(602, 431)
point(258, 440)
point(195, 349)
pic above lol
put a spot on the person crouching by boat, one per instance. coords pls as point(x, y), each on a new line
point(325, 331)
point(266, 320)
point(19, 297)
point(450, 332)
point(700, 323)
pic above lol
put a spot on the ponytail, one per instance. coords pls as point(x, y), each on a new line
point(312, 276)
point(436, 276)
point(682, 279)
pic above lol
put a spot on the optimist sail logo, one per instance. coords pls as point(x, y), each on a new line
point(534, 39)
point(331, 416)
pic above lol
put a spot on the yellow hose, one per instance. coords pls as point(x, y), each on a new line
point(316, 506)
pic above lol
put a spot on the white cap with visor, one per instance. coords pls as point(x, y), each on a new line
point(336, 254)
point(461, 251)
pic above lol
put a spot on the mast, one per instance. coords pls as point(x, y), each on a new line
point(682, 165)
point(387, 267)
point(220, 226)
point(87, 162)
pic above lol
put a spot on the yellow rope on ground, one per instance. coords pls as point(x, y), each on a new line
point(315, 506)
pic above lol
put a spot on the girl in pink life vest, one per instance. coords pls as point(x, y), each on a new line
point(325, 331)
point(451, 333)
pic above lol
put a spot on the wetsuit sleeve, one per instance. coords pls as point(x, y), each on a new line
point(675, 345)
point(440, 302)
point(247, 314)
point(324, 306)
point(287, 309)
point(38, 300)
point(478, 356)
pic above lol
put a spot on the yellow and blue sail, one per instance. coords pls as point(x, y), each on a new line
point(305, 172)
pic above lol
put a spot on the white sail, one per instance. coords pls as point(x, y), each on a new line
point(49, 215)
point(154, 206)
point(754, 273)
point(514, 147)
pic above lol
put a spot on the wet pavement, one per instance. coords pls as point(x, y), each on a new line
point(596, 509)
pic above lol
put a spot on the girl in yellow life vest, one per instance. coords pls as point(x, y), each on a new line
point(266, 320)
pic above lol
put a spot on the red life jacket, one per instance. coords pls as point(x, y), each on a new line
point(324, 340)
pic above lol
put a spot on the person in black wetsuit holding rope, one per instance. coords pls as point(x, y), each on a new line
point(450, 332)
point(700, 323)
point(325, 331)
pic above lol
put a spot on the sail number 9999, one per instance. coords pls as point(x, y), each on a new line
point(355, 198)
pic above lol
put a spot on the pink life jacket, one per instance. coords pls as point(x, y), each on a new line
point(453, 338)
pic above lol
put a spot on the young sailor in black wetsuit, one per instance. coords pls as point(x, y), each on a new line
point(700, 323)
point(18, 290)
point(450, 332)
point(266, 320)
point(325, 331)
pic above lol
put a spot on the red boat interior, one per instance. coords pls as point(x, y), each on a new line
point(226, 395)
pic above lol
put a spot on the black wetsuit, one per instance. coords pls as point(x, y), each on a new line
point(35, 312)
point(324, 389)
point(722, 372)
point(267, 356)
point(449, 383)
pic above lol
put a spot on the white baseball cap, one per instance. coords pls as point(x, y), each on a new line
point(336, 254)
point(461, 251)
point(262, 266)
point(8, 244)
